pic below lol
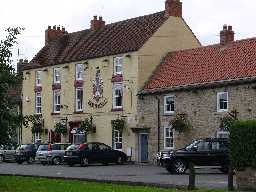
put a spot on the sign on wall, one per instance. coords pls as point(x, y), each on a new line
point(98, 100)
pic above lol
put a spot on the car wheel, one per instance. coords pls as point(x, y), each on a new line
point(1, 158)
point(84, 162)
point(179, 166)
point(30, 160)
point(56, 161)
point(169, 168)
point(120, 160)
point(43, 162)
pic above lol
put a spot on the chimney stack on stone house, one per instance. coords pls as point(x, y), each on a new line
point(97, 23)
point(53, 33)
point(20, 65)
point(227, 35)
point(173, 8)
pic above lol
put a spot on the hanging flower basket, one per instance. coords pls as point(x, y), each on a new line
point(227, 121)
point(118, 124)
point(87, 126)
point(60, 128)
point(180, 123)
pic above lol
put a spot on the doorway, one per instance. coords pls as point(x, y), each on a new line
point(143, 148)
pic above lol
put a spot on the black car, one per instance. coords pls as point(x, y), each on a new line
point(202, 152)
point(85, 154)
point(26, 153)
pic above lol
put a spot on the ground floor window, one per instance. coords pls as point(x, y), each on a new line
point(222, 134)
point(36, 137)
point(79, 138)
point(168, 138)
point(118, 139)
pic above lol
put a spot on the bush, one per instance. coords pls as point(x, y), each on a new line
point(243, 144)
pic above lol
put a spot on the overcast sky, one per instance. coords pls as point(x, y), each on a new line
point(205, 17)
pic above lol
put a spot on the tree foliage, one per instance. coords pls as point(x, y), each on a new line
point(9, 119)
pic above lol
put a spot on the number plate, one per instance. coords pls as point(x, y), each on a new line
point(69, 153)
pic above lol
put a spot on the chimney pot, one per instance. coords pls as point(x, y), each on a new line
point(97, 24)
point(173, 8)
point(229, 28)
point(225, 27)
point(58, 28)
point(49, 27)
point(51, 33)
point(100, 18)
point(95, 18)
point(54, 27)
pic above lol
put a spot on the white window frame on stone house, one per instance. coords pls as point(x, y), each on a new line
point(37, 136)
point(170, 137)
point(56, 75)
point(79, 71)
point(169, 108)
point(118, 139)
point(117, 87)
point(56, 101)
point(38, 78)
point(219, 108)
point(38, 102)
point(118, 65)
point(79, 99)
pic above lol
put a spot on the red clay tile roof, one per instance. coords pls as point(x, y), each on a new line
point(116, 38)
point(202, 65)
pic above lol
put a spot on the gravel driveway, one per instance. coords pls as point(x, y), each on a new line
point(136, 174)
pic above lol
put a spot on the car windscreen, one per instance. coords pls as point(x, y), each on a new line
point(73, 147)
point(23, 147)
point(190, 146)
point(43, 148)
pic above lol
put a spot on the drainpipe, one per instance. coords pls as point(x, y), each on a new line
point(158, 123)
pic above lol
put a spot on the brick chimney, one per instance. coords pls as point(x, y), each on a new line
point(54, 32)
point(173, 8)
point(226, 35)
point(97, 23)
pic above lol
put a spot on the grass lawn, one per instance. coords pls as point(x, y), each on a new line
point(29, 184)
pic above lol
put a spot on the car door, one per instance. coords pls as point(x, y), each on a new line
point(200, 154)
point(107, 154)
point(95, 154)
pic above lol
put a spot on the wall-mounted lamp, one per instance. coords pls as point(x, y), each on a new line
point(27, 99)
point(86, 65)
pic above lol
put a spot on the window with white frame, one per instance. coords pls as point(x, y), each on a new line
point(222, 101)
point(56, 101)
point(37, 136)
point(38, 103)
point(117, 96)
point(38, 78)
point(118, 140)
point(168, 138)
point(56, 75)
point(118, 65)
point(79, 99)
point(169, 104)
point(79, 71)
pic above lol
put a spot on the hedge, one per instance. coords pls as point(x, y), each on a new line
point(243, 144)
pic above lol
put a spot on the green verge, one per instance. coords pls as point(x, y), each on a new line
point(29, 184)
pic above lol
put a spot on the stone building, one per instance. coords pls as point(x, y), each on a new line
point(96, 73)
point(205, 84)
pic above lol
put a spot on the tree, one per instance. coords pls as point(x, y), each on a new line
point(9, 119)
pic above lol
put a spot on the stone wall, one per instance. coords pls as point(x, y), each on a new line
point(246, 180)
point(201, 107)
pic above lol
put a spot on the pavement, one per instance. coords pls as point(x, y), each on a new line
point(138, 174)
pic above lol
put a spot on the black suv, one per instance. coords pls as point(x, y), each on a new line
point(85, 154)
point(25, 152)
point(202, 152)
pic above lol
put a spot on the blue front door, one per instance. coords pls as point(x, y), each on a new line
point(144, 148)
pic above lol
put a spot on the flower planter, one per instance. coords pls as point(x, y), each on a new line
point(246, 179)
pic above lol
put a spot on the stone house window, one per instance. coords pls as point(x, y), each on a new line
point(168, 137)
point(118, 139)
point(79, 99)
point(56, 75)
point(79, 71)
point(117, 96)
point(222, 101)
point(56, 101)
point(118, 65)
point(169, 104)
point(38, 78)
point(38, 103)
point(37, 136)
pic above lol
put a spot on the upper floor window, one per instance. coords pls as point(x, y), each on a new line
point(222, 101)
point(118, 65)
point(79, 71)
point(169, 104)
point(117, 96)
point(56, 101)
point(38, 78)
point(38, 103)
point(79, 99)
point(168, 138)
point(56, 75)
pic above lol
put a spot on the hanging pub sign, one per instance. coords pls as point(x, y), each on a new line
point(98, 100)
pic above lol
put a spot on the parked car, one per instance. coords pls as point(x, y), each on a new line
point(26, 152)
point(7, 153)
point(202, 152)
point(51, 153)
point(85, 154)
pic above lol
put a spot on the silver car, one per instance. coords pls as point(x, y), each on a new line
point(7, 153)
